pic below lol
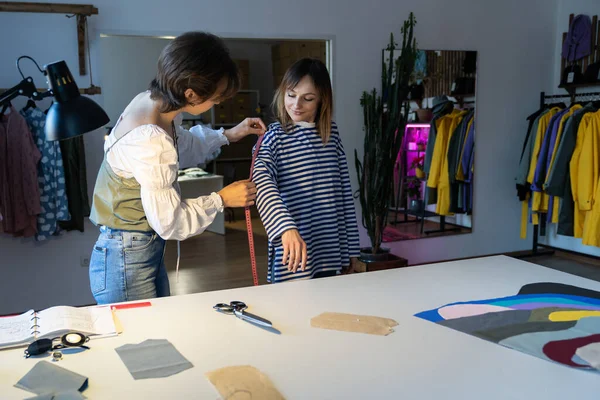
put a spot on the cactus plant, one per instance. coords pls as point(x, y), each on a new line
point(385, 118)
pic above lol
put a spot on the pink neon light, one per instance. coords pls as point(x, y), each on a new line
point(417, 125)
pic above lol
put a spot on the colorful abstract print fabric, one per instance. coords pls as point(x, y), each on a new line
point(552, 321)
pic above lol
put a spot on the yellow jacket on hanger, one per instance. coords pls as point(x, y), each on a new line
point(588, 174)
point(438, 174)
point(582, 176)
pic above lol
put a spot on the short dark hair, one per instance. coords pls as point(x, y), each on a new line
point(194, 60)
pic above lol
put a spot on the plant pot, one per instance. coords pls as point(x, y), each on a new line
point(416, 205)
point(366, 254)
point(392, 261)
point(424, 114)
point(419, 173)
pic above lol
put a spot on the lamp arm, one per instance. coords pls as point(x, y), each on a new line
point(24, 88)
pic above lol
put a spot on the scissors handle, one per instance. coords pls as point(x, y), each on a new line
point(246, 316)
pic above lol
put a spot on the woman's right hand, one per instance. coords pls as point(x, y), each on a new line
point(238, 194)
point(294, 248)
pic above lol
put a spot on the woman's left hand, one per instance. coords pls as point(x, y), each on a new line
point(249, 126)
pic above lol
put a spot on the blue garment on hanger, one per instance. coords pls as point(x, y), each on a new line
point(51, 177)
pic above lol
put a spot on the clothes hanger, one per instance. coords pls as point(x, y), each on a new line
point(8, 104)
point(30, 104)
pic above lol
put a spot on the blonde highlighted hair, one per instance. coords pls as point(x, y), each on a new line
point(317, 71)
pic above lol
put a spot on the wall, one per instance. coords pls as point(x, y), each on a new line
point(130, 63)
point(261, 69)
point(511, 72)
point(565, 8)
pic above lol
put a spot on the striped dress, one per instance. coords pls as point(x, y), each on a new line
point(305, 185)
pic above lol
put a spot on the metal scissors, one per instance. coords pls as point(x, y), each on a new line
point(238, 308)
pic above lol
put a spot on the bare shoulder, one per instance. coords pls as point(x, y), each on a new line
point(140, 111)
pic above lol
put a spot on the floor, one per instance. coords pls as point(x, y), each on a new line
point(586, 267)
point(214, 262)
point(412, 229)
point(211, 262)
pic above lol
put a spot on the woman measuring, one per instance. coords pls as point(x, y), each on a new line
point(136, 201)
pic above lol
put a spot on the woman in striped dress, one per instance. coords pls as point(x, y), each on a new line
point(304, 195)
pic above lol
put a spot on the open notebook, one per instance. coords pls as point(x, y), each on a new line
point(23, 329)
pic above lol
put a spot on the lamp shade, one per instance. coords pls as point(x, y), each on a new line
point(71, 114)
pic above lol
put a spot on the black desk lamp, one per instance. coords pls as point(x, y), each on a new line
point(71, 114)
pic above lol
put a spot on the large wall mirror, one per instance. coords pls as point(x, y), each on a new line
point(219, 258)
point(434, 170)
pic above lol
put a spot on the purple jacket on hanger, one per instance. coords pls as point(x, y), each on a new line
point(467, 158)
point(540, 168)
point(578, 43)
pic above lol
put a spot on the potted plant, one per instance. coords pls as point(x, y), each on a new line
point(384, 123)
point(417, 164)
point(413, 190)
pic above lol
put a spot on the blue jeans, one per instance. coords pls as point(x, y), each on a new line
point(127, 265)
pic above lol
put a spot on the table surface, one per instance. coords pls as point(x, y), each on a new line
point(420, 360)
point(209, 176)
point(195, 186)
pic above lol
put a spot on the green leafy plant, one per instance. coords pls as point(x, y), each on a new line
point(385, 118)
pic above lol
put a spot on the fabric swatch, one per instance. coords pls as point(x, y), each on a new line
point(514, 301)
point(543, 314)
point(551, 299)
point(558, 288)
point(572, 315)
point(504, 332)
point(562, 351)
point(533, 306)
point(487, 321)
point(533, 343)
point(578, 360)
point(46, 377)
point(468, 310)
point(242, 383)
point(354, 323)
point(589, 353)
point(68, 395)
point(551, 321)
point(153, 358)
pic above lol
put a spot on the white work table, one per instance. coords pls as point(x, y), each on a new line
point(420, 360)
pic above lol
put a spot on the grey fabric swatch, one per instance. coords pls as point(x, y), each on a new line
point(46, 378)
point(504, 332)
point(558, 288)
point(542, 314)
point(69, 395)
point(153, 358)
point(487, 321)
point(533, 343)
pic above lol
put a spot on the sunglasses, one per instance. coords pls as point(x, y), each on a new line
point(71, 339)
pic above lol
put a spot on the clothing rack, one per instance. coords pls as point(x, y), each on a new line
point(422, 214)
point(540, 230)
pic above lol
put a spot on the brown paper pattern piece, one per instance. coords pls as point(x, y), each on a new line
point(354, 323)
point(243, 383)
